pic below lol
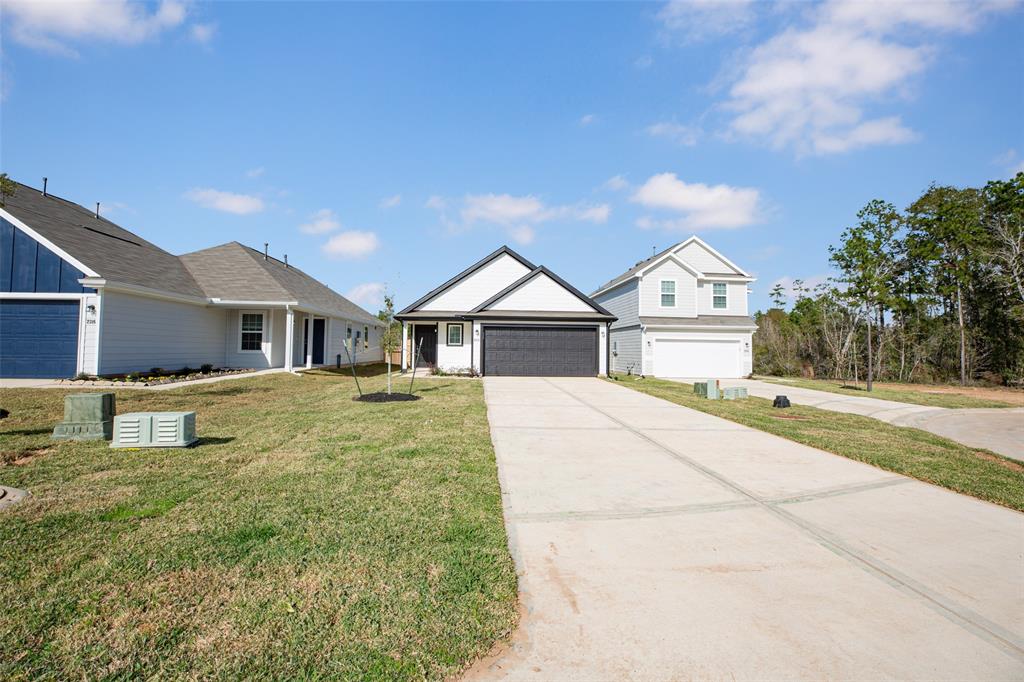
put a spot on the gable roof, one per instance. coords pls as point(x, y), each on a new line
point(503, 251)
point(528, 277)
point(662, 255)
point(108, 250)
point(235, 272)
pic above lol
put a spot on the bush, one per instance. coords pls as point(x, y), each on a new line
point(206, 369)
point(156, 371)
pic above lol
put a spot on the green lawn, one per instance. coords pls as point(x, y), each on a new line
point(307, 536)
point(907, 451)
point(923, 394)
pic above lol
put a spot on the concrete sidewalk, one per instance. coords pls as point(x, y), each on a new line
point(654, 542)
point(997, 429)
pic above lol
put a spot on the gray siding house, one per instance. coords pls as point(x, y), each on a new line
point(80, 294)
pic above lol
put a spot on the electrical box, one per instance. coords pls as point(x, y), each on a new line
point(154, 430)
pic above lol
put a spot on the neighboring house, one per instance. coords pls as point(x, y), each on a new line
point(78, 294)
point(506, 316)
point(681, 313)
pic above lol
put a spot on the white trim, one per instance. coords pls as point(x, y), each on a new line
point(235, 304)
point(713, 294)
point(403, 363)
point(702, 327)
point(674, 294)
point(80, 355)
point(101, 283)
point(31, 294)
point(448, 335)
point(264, 335)
point(99, 330)
point(289, 339)
point(707, 246)
point(679, 261)
point(48, 244)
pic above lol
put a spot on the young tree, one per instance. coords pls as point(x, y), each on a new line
point(866, 260)
point(391, 339)
point(7, 188)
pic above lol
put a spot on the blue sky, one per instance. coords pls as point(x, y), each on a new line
point(392, 145)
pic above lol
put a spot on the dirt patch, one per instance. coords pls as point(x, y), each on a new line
point(1011, 465)
point(24, 456)
point(385, 397)
point(1014, 396)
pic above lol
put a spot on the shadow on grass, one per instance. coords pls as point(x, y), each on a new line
point(374, 370)
point(26, 432)
point(213, 440)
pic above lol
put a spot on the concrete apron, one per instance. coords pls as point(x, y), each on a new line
point(657, 542)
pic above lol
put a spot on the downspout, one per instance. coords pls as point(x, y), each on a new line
point(608, 349)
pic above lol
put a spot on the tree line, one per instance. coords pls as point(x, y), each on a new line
point(930, 293)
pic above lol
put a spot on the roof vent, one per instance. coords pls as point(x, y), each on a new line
point(286, 260)
point(44, 186)
point(97, 210)
point(266, 251)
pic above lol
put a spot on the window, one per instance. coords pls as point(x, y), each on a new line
point(455, 335)
point(252, 332)
point(719, 299)
point(668, 293)
point(348, 340)
point(366, 338)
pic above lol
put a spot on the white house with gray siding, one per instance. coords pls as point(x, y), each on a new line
point(681, 313)
point(81, 295)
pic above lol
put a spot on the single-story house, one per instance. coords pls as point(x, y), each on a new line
point(506, 316)
point(681, 313)
point(81, 295)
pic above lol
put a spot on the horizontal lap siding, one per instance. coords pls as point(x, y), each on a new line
point(628, 355)
point(622, 302)
point(138, 333)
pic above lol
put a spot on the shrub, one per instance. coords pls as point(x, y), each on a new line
point(206, 369)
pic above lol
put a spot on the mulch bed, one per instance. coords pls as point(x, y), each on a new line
point(385, 397)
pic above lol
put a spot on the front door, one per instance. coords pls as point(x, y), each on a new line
point(319, 333)
point(426, 344)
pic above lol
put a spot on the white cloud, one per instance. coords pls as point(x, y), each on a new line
point(51, 26)
point(808, 87)
point(1010, 162)
point(436, 203)
point(369, 295)
point(391, 202)
point(698, 206)
point(321, 222)
point(352, 244)
point(203, 33)
point(676, 132)
point(587, 119)
point(503, 209)
point(229, 202)
point(694, 20)
point(255, 172)
point(616, 183)
point(524, 234)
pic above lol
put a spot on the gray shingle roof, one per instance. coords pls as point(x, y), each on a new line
point(701, 321)
point(109, 250)
point(230, 271)
point(633, 270)
point(235, 272)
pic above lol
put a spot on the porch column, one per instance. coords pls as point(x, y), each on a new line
point(308, 330)
point(289, 338)
point(405, 340)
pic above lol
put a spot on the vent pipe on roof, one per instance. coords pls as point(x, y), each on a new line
point(97, 210)
point(266, 251)
point(654, 251)
point(286, 260)
point(44, 186)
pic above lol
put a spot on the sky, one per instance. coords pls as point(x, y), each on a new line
point(388, 146)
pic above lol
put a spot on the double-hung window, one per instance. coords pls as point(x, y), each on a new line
point(455, 335)
point(251, 332)
point(668, 293)
point(719, 296)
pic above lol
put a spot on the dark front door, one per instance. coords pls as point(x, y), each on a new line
point(426, 339)
point(305, 340)
point(319, 333)
point(38, 339)
point(540, 351)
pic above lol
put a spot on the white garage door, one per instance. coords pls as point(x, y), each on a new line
point(696, 358)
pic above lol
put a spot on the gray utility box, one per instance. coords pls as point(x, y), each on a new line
point(734, 393)
point(87, 416)
point(154, 430)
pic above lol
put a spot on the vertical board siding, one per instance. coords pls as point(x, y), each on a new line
point(480, 286)
point(622, 302)
point(628, 355)
point(454, 358)
point(27, 266)
point(138, 333)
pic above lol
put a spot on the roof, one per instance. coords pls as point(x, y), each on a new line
point(235, 272)
point(107, 249)
point(725, 321)
point(504, 250)
point(231, 272)
point(522, 281)
point(628, 274)
point(633, 270)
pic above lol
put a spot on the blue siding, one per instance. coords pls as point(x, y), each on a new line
point(27, 266)
point(38, 339)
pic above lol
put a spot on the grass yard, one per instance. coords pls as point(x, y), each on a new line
point(907, 451)
point(931, 395)
point(307, 536)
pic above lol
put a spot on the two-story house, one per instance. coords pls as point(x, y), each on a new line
point(681, 313)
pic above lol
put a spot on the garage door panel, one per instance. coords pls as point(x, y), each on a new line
point(38, 338)
point(711, 358)
point(540, 351)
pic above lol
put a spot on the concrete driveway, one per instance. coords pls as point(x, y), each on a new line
point(654, 542)
point(997, 429)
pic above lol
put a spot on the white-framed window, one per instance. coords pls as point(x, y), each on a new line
point(668, 293)
point(366, 338)
point(719, 296)
point(250, 332)
point(615, 347)
point(454, 334)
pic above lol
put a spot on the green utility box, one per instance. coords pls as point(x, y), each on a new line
point(734, 393)
point(154, 430)
point(707, 389)
point(87, 416)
